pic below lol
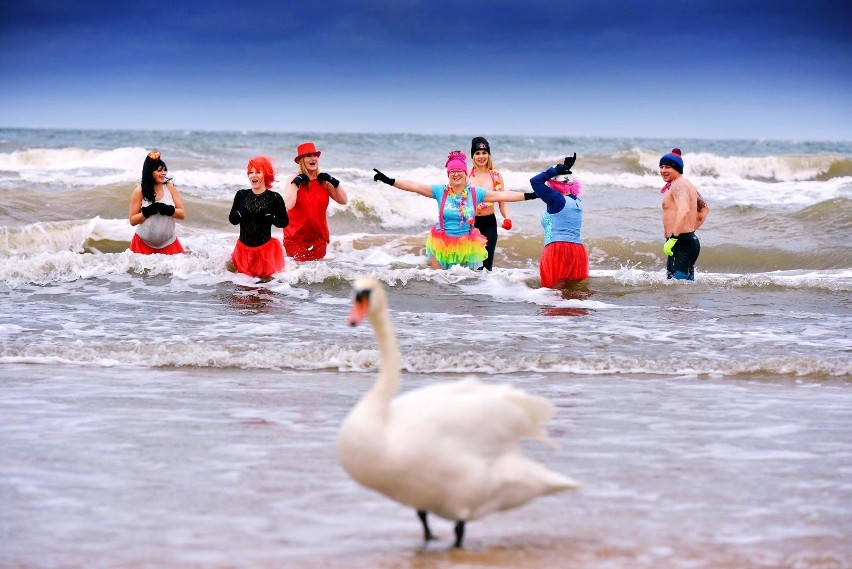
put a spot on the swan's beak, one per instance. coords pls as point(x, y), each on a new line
point(360, 306)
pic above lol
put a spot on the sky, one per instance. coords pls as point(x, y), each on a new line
point(628, 68)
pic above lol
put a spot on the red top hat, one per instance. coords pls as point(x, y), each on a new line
point(305, 149)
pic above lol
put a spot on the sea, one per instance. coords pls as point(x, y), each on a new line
point(165, 411)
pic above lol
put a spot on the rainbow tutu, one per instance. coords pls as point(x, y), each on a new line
point(467, 250)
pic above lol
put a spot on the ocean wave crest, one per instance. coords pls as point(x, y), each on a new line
point(352, 360)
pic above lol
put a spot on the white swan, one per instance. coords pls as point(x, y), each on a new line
point(452, 448)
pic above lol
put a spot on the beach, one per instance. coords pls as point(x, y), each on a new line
point(167, 412)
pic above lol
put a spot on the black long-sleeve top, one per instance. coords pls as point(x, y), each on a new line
point(256, 214)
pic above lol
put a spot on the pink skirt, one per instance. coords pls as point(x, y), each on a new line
point(262, 261)
point(561, 261)
point(139, 246)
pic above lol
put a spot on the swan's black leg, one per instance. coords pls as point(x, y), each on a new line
point(427, 533)
point(459, 534)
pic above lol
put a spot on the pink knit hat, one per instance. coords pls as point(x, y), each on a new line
point(456, 160)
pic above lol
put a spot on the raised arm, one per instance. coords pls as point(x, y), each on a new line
point(333, 187)
point(291, 190)
point(407, 185)
point(554, 200)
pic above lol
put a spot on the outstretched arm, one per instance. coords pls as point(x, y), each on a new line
point(504, 196)
point(407, 185)
point(416, 187)
point(554, 200)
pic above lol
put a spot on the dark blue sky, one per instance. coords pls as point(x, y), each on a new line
point(716, 69)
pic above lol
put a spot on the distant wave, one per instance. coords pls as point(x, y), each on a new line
point(49, 162)
point(781, 168)
point(423, 361)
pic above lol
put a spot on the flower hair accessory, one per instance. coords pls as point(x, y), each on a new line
point(154, 155)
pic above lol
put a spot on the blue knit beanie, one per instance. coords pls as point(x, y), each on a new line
point(673, 159)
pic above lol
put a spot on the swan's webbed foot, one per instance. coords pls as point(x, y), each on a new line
point(459, 534)
point(427, 533)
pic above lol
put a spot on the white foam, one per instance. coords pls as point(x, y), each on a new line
point(780, 168)
point(59, 159)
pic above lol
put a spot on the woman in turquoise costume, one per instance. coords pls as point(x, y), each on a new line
point(454, 240)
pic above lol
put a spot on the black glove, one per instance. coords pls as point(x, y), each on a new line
point(165, 209)
point(150, 210)
point(379, 177)
point(277, 221)
point(565, 167)
point(324, 177)
point(245, 215)
point(301, 179)
point(530, 196)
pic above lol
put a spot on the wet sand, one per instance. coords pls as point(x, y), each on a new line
point(228, 468)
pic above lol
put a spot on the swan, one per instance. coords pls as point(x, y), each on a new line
point(451, 449)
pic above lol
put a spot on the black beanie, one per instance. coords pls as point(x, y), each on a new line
point(479, 143)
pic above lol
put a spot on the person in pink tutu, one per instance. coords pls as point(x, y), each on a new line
point(154, 206)
point(256, 210)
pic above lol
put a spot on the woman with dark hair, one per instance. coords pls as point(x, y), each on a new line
point(256, 210)
point(154, 206)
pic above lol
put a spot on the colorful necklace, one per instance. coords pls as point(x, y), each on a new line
point(460, 202)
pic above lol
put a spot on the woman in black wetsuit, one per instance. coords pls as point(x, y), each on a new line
point(256, 210)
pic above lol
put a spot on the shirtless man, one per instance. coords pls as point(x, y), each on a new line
point(684, 210)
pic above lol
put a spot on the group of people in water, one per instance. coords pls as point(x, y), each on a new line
point(465, 233)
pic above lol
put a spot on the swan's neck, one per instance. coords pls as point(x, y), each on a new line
point(387, 383)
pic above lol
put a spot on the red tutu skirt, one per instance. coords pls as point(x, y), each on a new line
point(139, 246)
point(262, 261)
point(561, 261)
point(302, 251)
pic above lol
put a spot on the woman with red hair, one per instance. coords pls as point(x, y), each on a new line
point(564, 258)
point(154, 206)
point(256, 210)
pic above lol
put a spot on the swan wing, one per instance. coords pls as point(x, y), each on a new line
point(486, 419)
